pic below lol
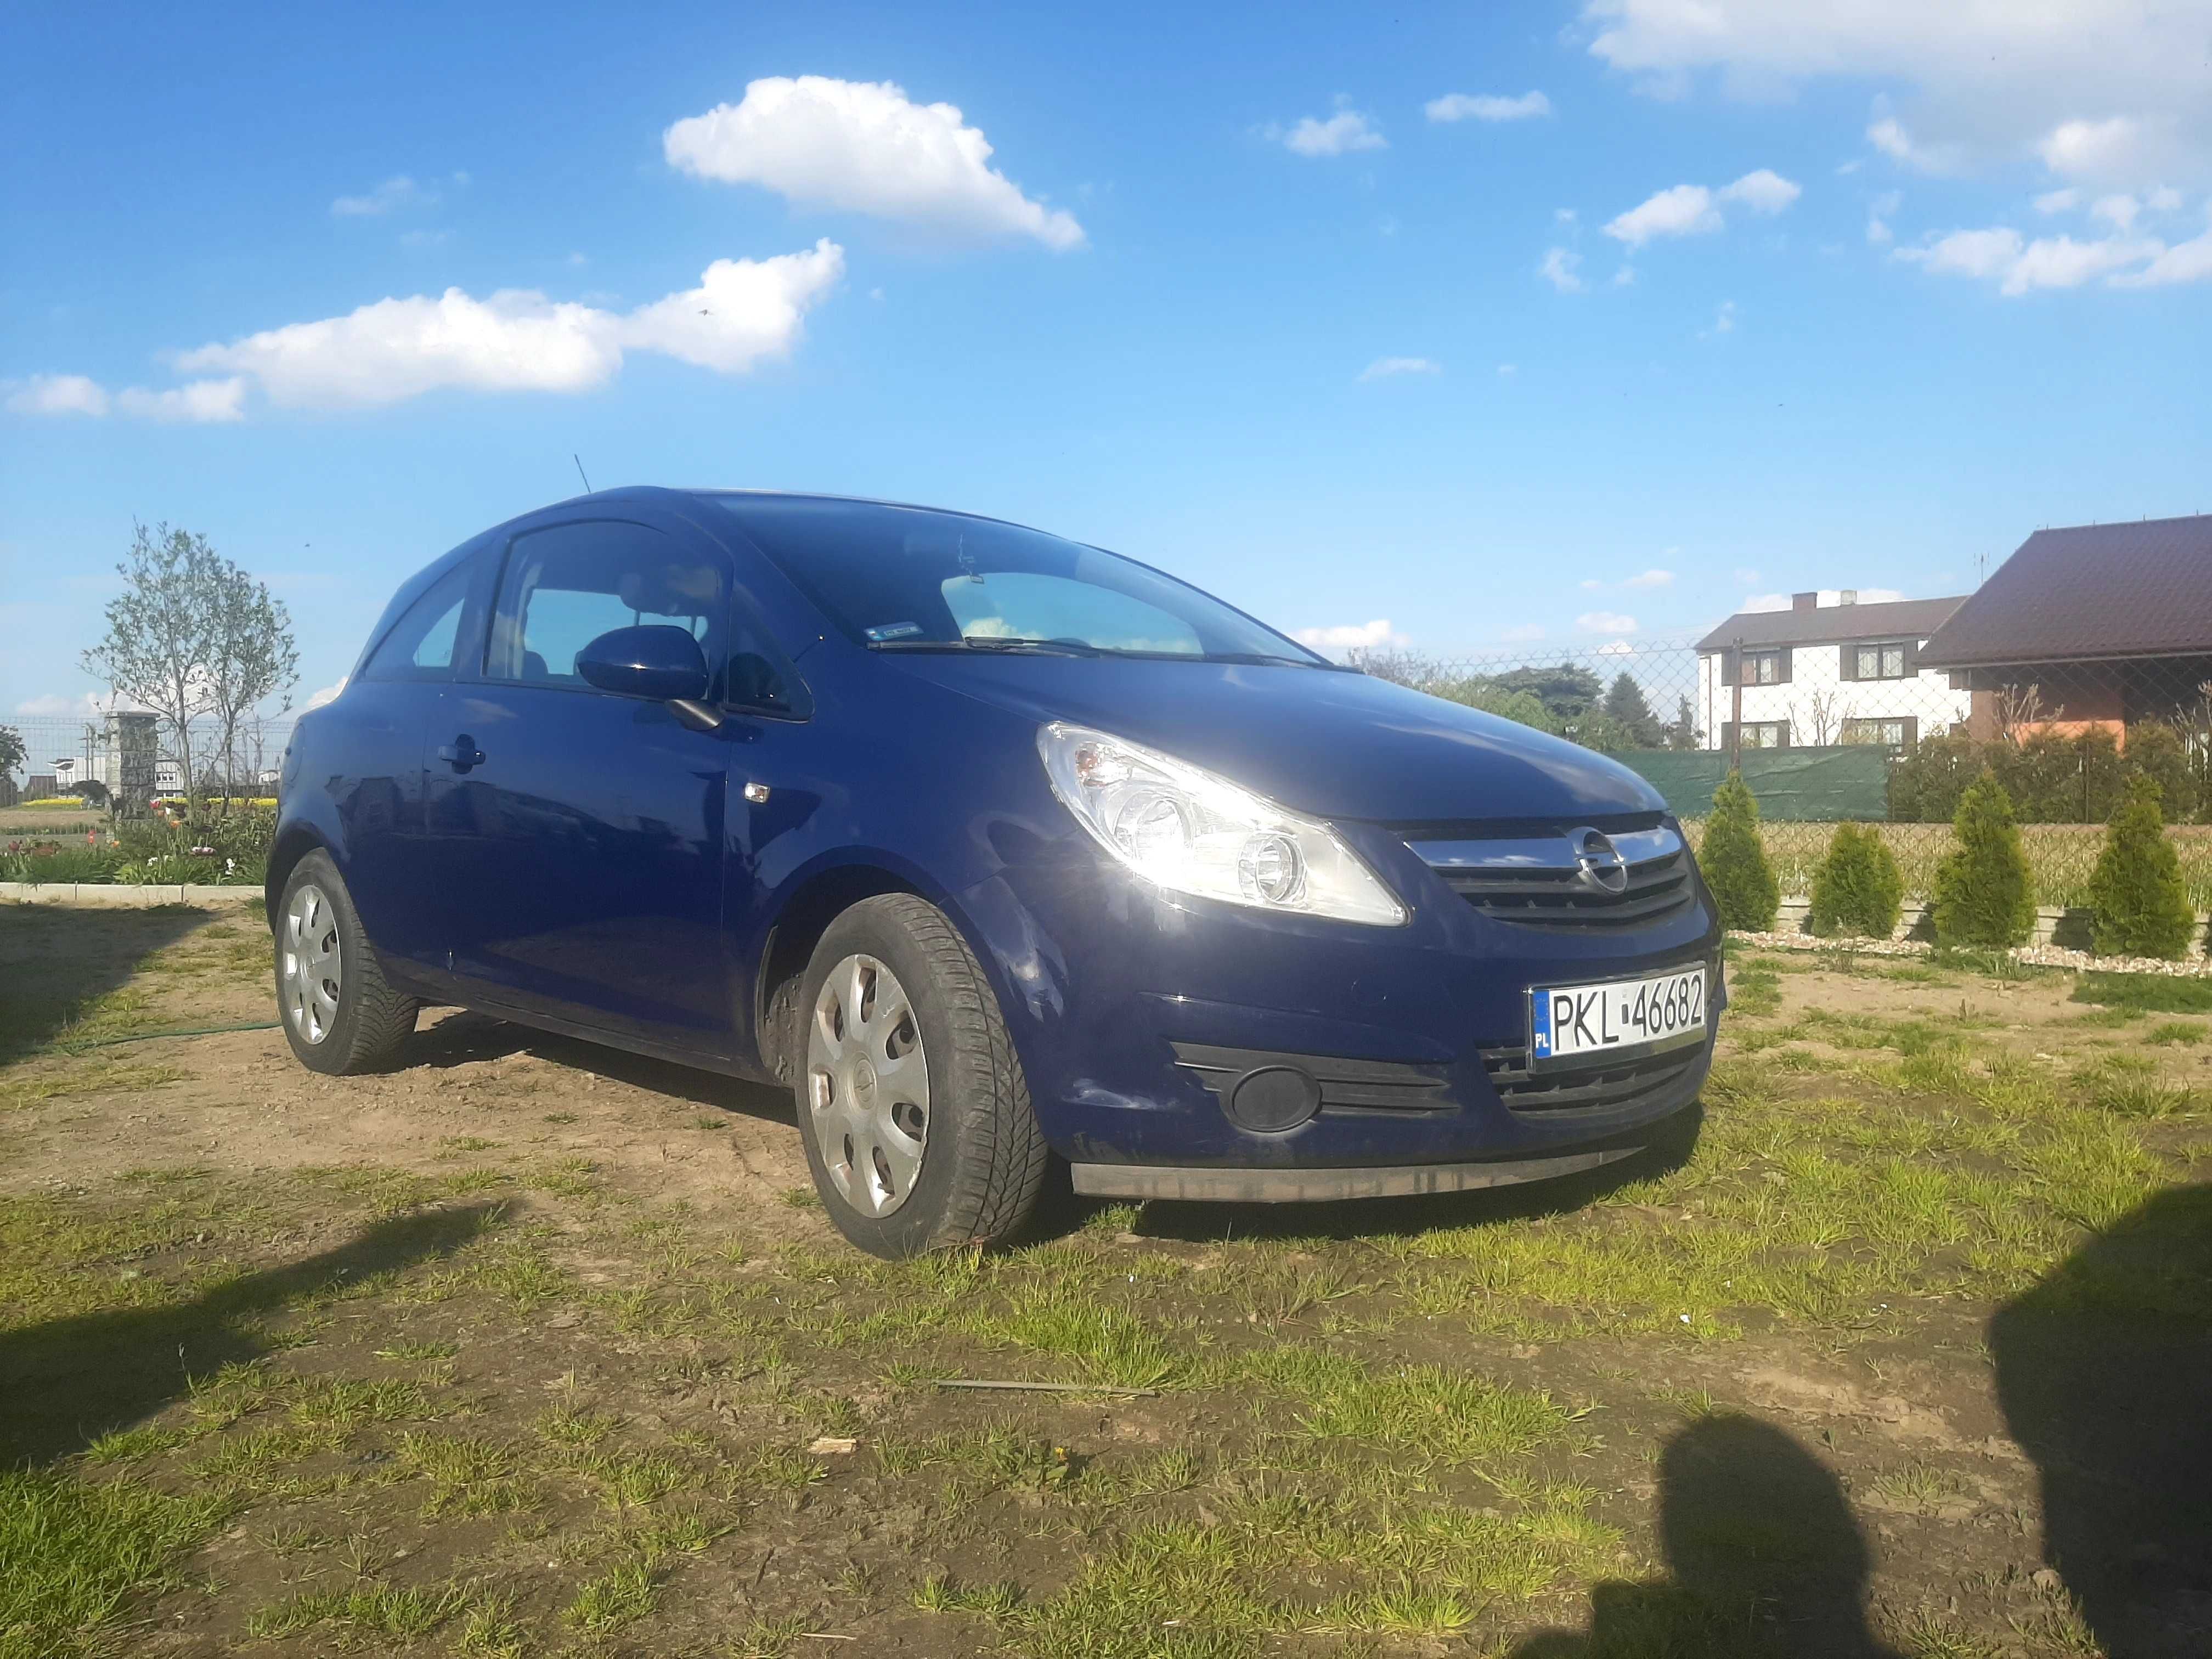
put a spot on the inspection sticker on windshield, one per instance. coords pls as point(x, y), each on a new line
point(1579, 1021)
point(893, 631)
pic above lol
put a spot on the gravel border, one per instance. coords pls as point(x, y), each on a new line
point(2035, 956)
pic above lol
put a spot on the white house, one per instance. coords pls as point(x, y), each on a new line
point(1818, 674)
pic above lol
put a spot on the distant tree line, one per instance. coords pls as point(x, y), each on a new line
point(1566, 700)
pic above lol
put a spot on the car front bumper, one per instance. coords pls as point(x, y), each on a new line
point(1139, 1016)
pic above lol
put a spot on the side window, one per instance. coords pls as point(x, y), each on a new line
point(420, 645)
point(565, 587)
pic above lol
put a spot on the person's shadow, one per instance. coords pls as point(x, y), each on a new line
point(67, 1381)
point(2104, 1372)
point(1765, 1558)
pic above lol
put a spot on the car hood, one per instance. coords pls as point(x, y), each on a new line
point(1336, 746)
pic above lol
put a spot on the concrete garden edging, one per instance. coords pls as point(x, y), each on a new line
point(120, 896)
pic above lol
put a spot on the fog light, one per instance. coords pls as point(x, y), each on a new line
point(1274, 1098)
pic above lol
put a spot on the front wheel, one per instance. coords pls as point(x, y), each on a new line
point(339, 1015)
point(912, 1104)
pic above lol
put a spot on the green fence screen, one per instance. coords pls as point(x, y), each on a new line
point(1793, 786)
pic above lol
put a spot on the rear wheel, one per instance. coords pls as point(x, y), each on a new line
point(339, 1015)
point(912, 1104)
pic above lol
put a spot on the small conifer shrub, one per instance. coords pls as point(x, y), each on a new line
point(1734, 861)
point(2140, 906)
point(1983, 894)
point(1858, 888)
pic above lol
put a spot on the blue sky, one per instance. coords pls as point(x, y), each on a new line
point(1320, 308)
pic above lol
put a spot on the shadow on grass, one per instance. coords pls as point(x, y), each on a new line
point(56, 959)
point(1763, 1557)
point(1670, 1147)
point(465, 1038)
point(2104, 1372)
point(67, 1381)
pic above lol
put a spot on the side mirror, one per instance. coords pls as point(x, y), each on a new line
point(656, 661)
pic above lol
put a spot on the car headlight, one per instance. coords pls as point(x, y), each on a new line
point(1191, 832)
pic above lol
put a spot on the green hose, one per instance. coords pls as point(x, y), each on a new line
point(180, 1031)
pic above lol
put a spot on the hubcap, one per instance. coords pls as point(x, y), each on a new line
point(867, 1085)
point(309, 968)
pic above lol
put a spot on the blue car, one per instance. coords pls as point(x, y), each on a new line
point(995, 849)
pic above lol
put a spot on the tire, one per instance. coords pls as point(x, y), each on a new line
point(972, 1173)
point(319, 943)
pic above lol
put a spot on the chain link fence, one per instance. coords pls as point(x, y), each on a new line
point(87, 763)
point(1860, 730)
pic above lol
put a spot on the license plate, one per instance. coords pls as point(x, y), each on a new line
point(1574, 1022)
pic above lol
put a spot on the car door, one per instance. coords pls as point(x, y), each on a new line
point(580, 835)
point(374, 757)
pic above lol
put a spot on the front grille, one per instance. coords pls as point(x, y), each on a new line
point(1657, 887)
point(1345, 1086)
point(1604, 1086)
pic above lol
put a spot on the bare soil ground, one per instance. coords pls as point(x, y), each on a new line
point(531, 1347)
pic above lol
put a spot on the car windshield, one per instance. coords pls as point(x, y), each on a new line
point(907, 579)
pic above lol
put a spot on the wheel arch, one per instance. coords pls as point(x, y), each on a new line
point(293, 843)
point(815, 902)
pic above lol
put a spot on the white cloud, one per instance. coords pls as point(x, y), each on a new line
point(1563, 216)
point(1766, 602)
point(2112, 148)
point(1682, 210)
point(2058, 201)
point(1486, 106)
point(1694, 211)
point(195, 401)
point(2165, 199)
point(743, 312)
point(1521, 633)
point(1624, 277)
point(1651, 578)
point(2184, 262)
point(864, 147)
point(1889, 135)
point(1347, 130)
point(1618, 648)
point(1350, 637)
point(2119, 210)
point(387, 197)
point(1747, 575)
point(1884, 208)
point(1383, 367)
point(55, 705)
point(1605, 622)
point(1559, 270)
point(328, 694)
point(57, 394)
point(1763, 192)
point(1723, 321)
point(1987, 78)
point(1509, 368)
point(2019, 266)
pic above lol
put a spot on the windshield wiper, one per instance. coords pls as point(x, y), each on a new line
point(1258, 658)
point(1000, 643)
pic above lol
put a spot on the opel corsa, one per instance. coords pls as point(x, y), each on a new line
point(994, 849)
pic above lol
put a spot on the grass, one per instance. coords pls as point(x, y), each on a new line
point(72, 1551)
point(2146, 993)
point(585, 1428)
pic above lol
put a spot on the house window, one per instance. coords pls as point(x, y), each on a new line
point(1762, 668)
point(1889, 733)
point(1765, 734)
point(1881, 662)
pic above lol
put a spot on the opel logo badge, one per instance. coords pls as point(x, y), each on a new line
point(1599, 861)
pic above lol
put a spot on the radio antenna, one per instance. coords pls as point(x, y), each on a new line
point(579, 470)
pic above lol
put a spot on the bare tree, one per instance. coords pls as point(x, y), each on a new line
point(1389, 663)
point(160, 632)
point(2019, 707)
point(252, 657)
point(1824, 717)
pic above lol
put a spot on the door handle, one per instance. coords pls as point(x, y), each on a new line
point(461, 753)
